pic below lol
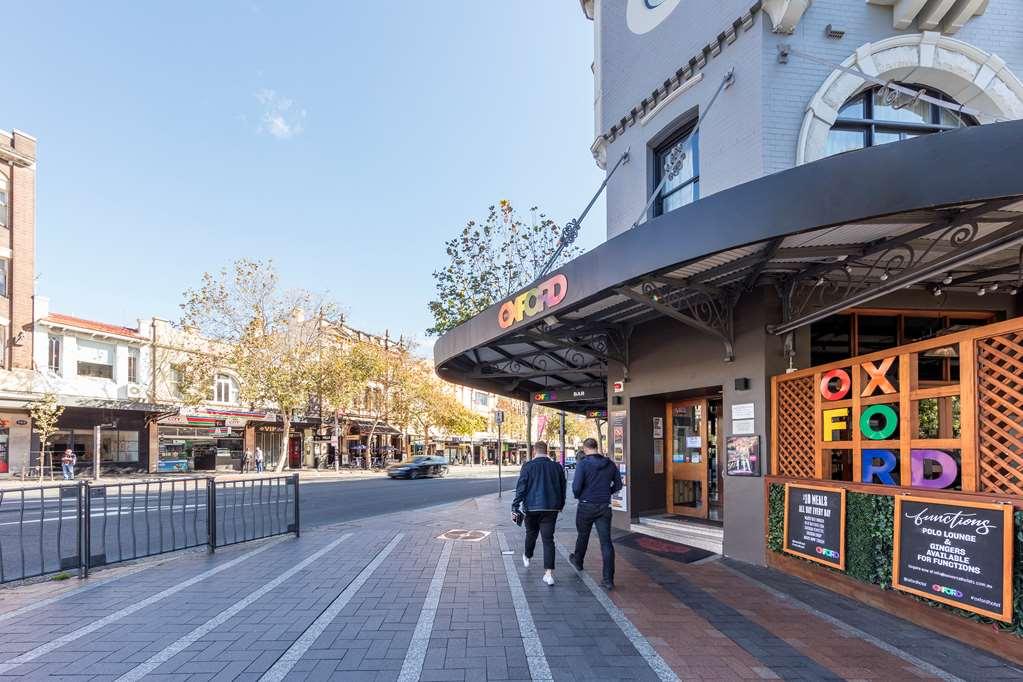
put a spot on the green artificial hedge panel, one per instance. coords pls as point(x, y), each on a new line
point(869, 534)
point(869, 529)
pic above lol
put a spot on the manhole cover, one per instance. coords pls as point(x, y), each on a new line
point(464, 534)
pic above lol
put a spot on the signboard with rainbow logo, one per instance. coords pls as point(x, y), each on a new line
point(815, 524)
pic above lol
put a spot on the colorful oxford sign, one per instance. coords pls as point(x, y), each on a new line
point(815, 524)
point(958, 553)
point(878, 422)
point(533, 302)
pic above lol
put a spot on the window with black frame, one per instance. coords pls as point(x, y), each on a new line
point(678, 160)
point(879, 116)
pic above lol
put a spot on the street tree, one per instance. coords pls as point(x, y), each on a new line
point(45, 412)
point(434, 405)
point(492, 259)
point(270, 336)
point(345, 367)
point(386, 396)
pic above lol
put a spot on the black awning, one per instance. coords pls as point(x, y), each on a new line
point(816, 224)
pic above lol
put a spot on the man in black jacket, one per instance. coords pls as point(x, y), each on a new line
point(596, 479)
point(541, 492)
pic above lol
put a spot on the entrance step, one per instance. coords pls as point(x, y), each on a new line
point(710, 538)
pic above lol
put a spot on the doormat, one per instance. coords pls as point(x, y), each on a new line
point(684, 554)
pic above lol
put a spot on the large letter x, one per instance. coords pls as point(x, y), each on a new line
point(878, 380)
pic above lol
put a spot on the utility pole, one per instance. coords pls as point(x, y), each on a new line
point(499, 419)
point(562, 437)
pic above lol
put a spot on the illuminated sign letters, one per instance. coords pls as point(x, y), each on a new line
point(878, 422)
point(532, 302)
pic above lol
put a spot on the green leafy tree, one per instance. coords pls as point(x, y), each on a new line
point(491, 260)
point(45, 413)
point(345, 366)
point(271, 337)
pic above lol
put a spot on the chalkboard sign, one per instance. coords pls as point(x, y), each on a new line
point(815, 524)
point(958, 553)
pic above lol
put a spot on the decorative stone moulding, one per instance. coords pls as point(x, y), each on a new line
point(785, 14)
point(948, 15)
point(973, 77)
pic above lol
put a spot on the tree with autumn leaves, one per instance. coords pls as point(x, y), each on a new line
point(290, 350)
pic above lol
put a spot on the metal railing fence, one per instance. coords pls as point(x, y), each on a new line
point(81, 526)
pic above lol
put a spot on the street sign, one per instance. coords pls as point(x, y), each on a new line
point(567, 395)
point(499, 416)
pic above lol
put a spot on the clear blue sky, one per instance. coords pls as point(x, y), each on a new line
point(346, 140)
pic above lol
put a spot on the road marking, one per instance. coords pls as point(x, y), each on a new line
point(44, 649)
point(177, 647)
point(412, 668)
point(641, 643)
point(537, 659)
point(290, 657)
point(794, 602)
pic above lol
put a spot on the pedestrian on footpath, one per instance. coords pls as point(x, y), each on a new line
point(246, 458)
point(259, 460)
point(541, 493)
point(596, 479)
point(67, 464)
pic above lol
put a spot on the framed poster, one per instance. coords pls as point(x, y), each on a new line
point(958, 553)
point(658, 427)
point(815, 524)
point(618, 436)
point(742, 456)
point(620, 500)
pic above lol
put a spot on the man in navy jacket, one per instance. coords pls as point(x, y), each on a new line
point(596, 479)
point(541, 492)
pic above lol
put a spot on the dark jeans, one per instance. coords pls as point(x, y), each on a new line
point(541, 523)
point(599, 515)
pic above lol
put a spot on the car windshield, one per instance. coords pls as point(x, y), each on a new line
point(421, 458)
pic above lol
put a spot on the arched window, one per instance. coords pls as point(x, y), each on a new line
point(876, 116)
point(225, 389)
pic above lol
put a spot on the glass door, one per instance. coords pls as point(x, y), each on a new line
point(688, 458)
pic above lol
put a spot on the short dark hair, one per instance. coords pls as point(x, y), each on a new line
point(540, 447)
point(590, 443)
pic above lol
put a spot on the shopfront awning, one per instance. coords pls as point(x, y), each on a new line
point(382, 428)
point(941, 212)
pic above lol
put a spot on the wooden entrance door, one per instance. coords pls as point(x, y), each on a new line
point(687, 458)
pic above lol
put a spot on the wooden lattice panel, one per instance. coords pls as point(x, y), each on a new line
point(1000, 413)
point(795, 450)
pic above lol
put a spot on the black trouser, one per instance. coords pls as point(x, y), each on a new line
point(586, 516)
point(542, 523)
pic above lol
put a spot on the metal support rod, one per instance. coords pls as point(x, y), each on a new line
point(562, 437)
point(82, 573)
point(298, 530)
point(529, 430)
point(725, 82)
point(211, 514)
point(87, 529)
point(499, 458)
point(575, 224)
point(785, 50)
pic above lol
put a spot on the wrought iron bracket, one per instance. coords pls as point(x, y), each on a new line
point(703, 308)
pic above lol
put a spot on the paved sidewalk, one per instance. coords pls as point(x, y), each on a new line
point(385, 599)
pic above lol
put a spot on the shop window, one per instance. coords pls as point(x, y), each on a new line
point(480, 399)
point(174, 382)
point(871, 118)
point(54, 353)
point(133, 365)
point(5, 266)
point(860, 332)
point(831, 339)
point(95, 359)
point(677, 162)
point(4, 340)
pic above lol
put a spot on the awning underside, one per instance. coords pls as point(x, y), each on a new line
point(969, 247)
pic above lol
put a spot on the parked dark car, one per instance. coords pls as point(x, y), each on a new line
point(423, 466)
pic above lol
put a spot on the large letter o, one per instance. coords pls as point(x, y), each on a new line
point(891, 422)
point(844, 384)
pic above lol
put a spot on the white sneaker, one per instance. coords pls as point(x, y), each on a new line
point(525, 561)
point(548, 578)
